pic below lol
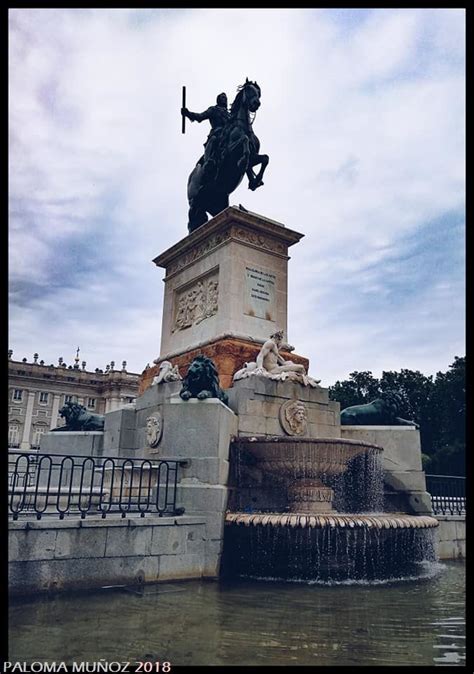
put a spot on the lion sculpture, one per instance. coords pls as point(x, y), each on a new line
point(382, 411)
point(202, 381)
point(79, 419)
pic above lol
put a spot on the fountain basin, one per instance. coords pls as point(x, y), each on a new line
point(328, 548)
point(302, 458)
point(302, 520)
point(305, 465)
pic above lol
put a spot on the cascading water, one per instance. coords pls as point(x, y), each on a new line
point(311, 510)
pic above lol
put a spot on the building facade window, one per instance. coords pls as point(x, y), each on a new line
point(44, 397)
point(38, 432)
point(69, 398)
point(18, 394)
point(14, 435)
point(91, 403)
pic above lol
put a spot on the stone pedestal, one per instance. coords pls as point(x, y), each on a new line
point(119, 433)
point(225, 291)
point(199, 431)
point(310, 497)
point(229, 355)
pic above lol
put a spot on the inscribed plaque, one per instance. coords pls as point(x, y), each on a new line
point(260, 293)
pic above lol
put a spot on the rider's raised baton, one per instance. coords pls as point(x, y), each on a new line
point(183, 123)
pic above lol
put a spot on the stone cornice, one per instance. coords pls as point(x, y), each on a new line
point(231, 224)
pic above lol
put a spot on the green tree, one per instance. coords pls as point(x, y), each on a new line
point(360, 388)
point(414, 389)
point(447, 460)
point(446, 421)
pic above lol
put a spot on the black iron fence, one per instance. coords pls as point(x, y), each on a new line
point(448, 494)
point(59, 484)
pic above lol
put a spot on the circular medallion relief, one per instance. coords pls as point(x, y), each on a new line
point(154, 429)
point(293, 417)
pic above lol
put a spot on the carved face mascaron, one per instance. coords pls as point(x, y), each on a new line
point(154, 429)
point(293, 417)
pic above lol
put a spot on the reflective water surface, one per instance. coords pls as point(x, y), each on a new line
point(247, 622)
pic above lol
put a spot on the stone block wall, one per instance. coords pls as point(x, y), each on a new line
point(257, 402)
point(50, 555)
point(196, 430)
point(451, 535)
point(119, 432)
point(201, 432)
point(82, 443)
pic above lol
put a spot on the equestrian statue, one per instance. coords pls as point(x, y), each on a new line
point(230, 152)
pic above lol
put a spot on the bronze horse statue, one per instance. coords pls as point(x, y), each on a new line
point(236, 153)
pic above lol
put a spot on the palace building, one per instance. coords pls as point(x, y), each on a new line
point(36, 393)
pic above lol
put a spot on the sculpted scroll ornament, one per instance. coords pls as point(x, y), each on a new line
point(293, 417)
point(154, 430)
point(198, 303)
point(197, 252)
point(259, 240)
point(167, 372)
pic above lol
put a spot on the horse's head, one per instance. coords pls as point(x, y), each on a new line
point(248, 96)
point(252, 95)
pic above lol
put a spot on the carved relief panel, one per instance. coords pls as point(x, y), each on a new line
point(196, 302)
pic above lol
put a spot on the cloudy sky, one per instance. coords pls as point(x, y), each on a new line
point(362, 115)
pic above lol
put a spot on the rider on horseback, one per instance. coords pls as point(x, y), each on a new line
point(231, 152)
point(218, 116)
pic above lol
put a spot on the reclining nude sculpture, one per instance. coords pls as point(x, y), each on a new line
point(272, 365)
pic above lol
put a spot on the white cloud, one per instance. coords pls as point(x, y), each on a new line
point(363, 122)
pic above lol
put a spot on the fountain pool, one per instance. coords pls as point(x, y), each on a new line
point(244, 622)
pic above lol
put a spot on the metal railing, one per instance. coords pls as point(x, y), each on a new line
point(64, 484)
point(448, 494)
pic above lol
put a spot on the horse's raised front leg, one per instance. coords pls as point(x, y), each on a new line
point(255, 180)
point(243, 162)
point(239, 143)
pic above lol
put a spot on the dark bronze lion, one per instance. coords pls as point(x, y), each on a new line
point(202, 381)
point(382, 411)
point(79, 419)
